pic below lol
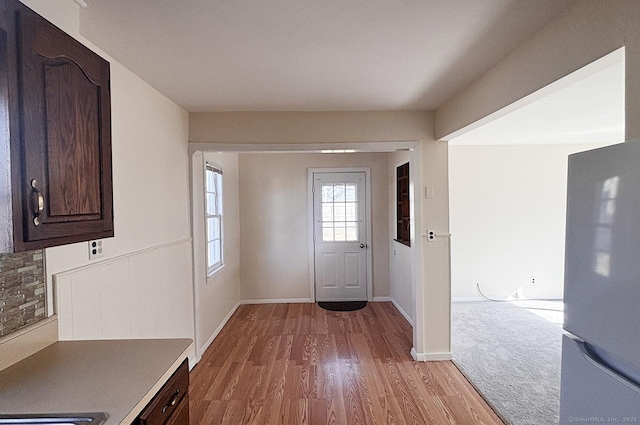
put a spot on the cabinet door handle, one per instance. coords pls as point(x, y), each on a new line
point(173, 401)
point(39, 202)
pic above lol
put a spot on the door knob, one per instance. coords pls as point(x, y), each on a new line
point(363, 245)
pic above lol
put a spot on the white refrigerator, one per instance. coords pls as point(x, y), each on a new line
point(600, 380)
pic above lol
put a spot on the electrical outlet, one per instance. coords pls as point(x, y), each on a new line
point(532, 281)
point(431, 235)
point(95, 249)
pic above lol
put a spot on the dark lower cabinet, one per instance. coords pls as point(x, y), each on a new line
point(171, 405)
point(180, 416)
point(56, 109)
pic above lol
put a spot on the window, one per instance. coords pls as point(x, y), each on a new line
point(213, 205)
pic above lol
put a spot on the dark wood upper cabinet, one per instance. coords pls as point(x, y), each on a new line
point(59, 119)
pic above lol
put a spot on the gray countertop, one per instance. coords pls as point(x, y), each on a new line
point(117, 377)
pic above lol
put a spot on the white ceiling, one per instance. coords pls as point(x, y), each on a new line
point(311, 55)
point(584, 107)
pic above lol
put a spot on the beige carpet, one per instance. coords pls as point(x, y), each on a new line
point(512, 355)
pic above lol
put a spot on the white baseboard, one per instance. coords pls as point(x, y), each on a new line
point(543, 297)
point(277, 301)
point(218, 330)
point(300, 300)
point(381, 299)
point(404, 313)
point(436, 357)
point(430, 357)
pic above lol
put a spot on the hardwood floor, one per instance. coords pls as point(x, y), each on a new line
point(299, 364)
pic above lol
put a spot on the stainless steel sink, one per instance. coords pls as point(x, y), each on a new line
point(55, 419)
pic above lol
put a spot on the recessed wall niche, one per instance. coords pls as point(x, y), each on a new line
point(403, 208)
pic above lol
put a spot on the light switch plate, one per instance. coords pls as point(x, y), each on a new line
point(429, 192)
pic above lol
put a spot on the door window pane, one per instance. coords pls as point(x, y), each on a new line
point(339, 212)
point(327, 212)
point(351, 192)
point(338, 193)
point(327, 232)
point(327, 193)
point(352, 232)
point(351, 211)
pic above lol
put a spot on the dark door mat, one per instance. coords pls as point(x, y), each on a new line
point(342, 305)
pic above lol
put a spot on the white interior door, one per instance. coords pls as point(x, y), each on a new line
point(340, 245)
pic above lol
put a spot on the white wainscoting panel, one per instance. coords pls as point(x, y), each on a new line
point(145, 294)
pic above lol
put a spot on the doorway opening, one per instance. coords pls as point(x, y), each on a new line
point(508, 183)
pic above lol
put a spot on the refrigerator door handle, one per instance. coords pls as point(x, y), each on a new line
point(589, 389)
point(616, 368)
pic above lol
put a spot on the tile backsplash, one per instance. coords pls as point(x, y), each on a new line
point(22, 290)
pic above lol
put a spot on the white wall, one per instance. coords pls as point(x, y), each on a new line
point(274, 221)
point(217, 296)
point(587, 31)
point(507, 209)
point(433, 297)
point(150, 172)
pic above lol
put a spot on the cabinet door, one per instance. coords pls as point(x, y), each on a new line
point(65, 136)
point(180, 416)
point(171, 403)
